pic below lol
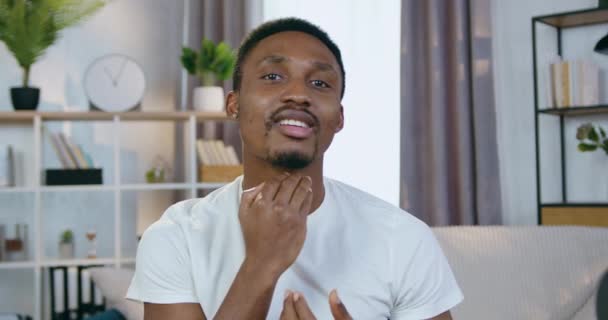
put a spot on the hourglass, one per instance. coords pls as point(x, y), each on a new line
point(91, 235)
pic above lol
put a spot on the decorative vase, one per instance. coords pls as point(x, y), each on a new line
point(66, 250)
point(25, 98)
point(209, 99)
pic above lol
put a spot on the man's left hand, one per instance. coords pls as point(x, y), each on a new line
point(296, 308)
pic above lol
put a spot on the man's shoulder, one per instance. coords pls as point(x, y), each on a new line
point(190, 212)
point(372, 209)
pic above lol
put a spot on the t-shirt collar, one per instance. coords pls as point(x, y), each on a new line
point(312, 216)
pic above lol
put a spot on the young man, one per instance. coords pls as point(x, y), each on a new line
point(282, 241)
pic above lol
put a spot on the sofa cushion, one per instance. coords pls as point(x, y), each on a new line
point(532, 272)
point(113, 284)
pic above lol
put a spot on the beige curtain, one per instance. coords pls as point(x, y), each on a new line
point(449, 156)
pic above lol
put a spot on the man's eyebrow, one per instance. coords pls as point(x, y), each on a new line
point(325, 66)
point(273, 59)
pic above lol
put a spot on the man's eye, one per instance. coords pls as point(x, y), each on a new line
point(271, 76)
point(320, 84)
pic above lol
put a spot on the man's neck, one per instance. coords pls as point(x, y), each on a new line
point(256, 171)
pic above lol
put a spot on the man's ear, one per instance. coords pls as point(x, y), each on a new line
point(341, 121)
point(231, 105)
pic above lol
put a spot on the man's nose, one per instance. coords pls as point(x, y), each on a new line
point(297, 92)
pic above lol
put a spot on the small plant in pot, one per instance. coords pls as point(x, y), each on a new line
point(29, 27)
point(592, 138)
point(211, 64)
point(66, 244)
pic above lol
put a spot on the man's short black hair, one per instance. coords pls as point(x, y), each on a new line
point(281, 25)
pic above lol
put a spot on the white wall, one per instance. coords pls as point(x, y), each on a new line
point(366, 153)
point(144, 30)
point(587, 173)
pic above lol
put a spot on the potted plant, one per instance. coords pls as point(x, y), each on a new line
point(212, 63)
point(159, 172)
point(591, 138)
point(66, 245)
point(29, 27)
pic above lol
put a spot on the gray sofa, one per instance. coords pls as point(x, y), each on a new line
point(511, 273)
point(533, 272)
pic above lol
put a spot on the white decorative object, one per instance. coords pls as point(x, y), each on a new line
point(209, 99)
point(115, 83)
point(91, 235)
point(66, 250)
point(2, 238)
point(6, 166)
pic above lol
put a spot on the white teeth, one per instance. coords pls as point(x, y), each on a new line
point(291, 122)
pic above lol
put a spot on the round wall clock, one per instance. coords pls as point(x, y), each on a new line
point(114, 83)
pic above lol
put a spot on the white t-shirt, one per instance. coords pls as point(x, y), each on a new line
point(384, 262)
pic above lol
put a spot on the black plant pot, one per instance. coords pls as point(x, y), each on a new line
point(25, 98)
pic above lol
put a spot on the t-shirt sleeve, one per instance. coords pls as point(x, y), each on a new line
point(427, 286)
point(163, 273)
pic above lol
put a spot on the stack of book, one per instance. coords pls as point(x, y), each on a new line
point(70, 154)
point(219, 163)
point(215, 152)
point(573, 83)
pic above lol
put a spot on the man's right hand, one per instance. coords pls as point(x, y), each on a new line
point(295, 307)
point(273, 220)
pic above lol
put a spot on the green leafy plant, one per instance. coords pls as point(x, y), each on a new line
point(67, 236)
point(29, 27)
point(155, 175)
point(213, 62)
point(591, 138)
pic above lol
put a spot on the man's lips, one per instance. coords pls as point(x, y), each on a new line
point(297, 124)
point(294, 131)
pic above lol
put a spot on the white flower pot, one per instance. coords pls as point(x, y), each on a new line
point(208, 99)
point(66, 250)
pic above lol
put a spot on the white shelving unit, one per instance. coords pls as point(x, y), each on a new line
point(36, 121)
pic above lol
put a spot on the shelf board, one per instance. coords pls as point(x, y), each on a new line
point(576, 111)
point(17, 265)
point(84, 262)
point(575, 18)
point(74, 188)
point(77, 262)
point(28, 116)
point(16, 190)
point(574, 204)
point(211, 185)
point(155, 186)
point(125, 187)
point(172, 186)
point(578, 214)
point(63, 262)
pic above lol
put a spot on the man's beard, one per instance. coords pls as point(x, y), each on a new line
point(290, 160)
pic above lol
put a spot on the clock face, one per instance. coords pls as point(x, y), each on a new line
point(114, 83)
